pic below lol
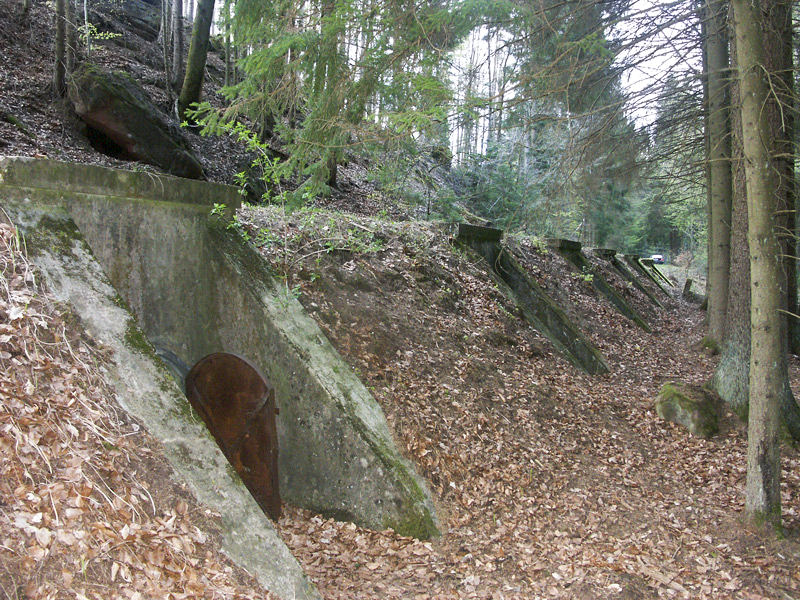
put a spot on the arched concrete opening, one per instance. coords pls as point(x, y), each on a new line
point(237, 405)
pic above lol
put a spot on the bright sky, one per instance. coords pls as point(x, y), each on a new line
point(670, 47)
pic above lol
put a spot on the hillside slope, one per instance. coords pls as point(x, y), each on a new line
point(553, 483)
point(550, 483)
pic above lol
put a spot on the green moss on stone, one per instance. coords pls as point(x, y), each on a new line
point(136, 340)
point(52, 235)
point(711, 345)
point(688, 406)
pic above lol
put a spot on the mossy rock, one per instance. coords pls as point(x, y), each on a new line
point(693, 407)
point(124, 123)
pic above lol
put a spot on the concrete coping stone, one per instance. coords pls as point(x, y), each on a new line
point(605, 252)
point(647, 261)
point(562, 244)
point(68, 177)
point(478, 232)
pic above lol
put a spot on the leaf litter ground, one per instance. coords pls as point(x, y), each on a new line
point(549, 483)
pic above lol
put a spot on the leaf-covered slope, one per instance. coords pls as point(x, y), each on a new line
point(552, 483)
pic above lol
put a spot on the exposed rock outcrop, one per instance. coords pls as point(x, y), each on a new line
point(124, 123)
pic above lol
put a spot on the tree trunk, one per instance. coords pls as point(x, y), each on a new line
point(762, 502)
point(777, 19)
point(731, 379)
point(60, 74)
point(86, 28)
point(177, 41)
point(719, 169)
point(72, 37)
point(703, 11)
point(779, 62)
point(164, 38)
point(228, 50)
point(196, 61)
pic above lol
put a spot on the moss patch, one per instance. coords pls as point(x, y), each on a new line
point(710, 346)
point(691, 406)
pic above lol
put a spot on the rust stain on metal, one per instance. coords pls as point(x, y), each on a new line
point(238, 407)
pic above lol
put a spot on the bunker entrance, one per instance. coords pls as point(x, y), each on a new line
point(238, 407)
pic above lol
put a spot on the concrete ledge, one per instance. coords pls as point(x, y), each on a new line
point(465, 232)
point(537, 307)
point(605, 253)
point(66, 178)
point(565, 245)
point(638, 263)
point(580, 262)
point(629, 275)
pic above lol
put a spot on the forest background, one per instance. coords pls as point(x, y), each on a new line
point(533, 108)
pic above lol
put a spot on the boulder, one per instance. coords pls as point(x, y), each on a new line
point(124, 123)
point(693, 407)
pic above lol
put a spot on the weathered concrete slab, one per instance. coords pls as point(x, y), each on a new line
point(537, 307)
point(605, 253)
point(635, 262)
point(65, 177)
point(466, 231)
point(572, 253)
point(651, 264)
point(146, 390)
point(629, 274)
point(563, 244)
point(196, 288)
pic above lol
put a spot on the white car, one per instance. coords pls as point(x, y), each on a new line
point(658, 259)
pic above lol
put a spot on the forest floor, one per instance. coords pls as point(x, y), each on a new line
point(548, 483)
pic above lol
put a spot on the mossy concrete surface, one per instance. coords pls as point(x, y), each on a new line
point(627, 273)
point(66, 177)
point(572, 253)
point(651, 264)
point(195, 288)
point(537, 307)
point(693, 407)
point(145, 389)
point(635, 262)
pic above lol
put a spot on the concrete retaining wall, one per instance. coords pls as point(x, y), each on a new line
point(571, 251)
point(195, 288)
point(537, 307)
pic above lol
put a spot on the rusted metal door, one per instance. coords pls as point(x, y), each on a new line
point(238, 407)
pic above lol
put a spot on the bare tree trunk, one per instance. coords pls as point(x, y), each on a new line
point(196, 61)
point(777, 21)
point(779, 62)
point(72, 37)
point(60, 74)
point(228, 59)
point(86, 28)
point(719, 168)
point(762, 498)
point(177, 41)
point(164, 37)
